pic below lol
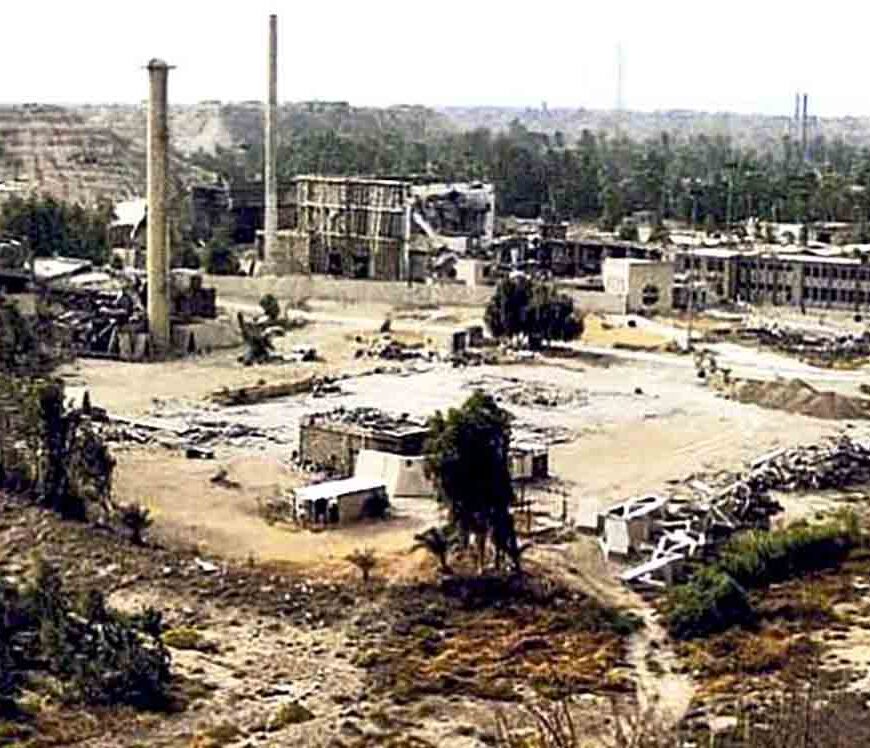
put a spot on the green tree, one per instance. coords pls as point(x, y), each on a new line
point(467, 457)
point(521, 307)
point(55, 228)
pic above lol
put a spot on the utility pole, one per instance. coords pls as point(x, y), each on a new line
point(691, 294)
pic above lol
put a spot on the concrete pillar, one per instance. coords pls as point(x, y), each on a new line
point(270, 221)
point(157, 246)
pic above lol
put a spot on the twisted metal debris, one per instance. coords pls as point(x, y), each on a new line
point(684, 526)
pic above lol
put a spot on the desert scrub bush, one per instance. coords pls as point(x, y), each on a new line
point(289, 713)
point(757, 558)
point(136, 519)
point(184, 637)
point(710, 601)
point(365, 561)
point(715, 597)
point(270, 306)
point(98, 656)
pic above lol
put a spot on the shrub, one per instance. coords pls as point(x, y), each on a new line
point(189, 258)
point(711, 601)
point(99, 656)
point(136, 519)
point(221, 260)
point(270, 307)
point(188, 638)
point(365, 561)
point(714, 598)
point(290, 713)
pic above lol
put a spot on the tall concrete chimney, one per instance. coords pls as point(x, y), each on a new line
point(270, 220)
point(158, 166)
point(804, 143)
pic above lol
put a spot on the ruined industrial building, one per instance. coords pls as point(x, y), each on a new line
point(412, 457)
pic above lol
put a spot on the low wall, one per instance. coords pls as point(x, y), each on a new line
point(596, 302)
point(297, 287)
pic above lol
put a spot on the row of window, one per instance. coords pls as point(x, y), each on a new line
point(784, 293)
point(836, 294)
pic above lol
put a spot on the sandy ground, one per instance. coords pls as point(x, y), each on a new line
point(635, 426)
point(600, 331)
point(190, 508)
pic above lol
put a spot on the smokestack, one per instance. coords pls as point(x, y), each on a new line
point(804, 131)
point(797, 114)
point(270, 221)
point(158, 164)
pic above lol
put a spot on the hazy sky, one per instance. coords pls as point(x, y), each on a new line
point(733, 55)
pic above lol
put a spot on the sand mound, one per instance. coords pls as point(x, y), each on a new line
point(796, 396)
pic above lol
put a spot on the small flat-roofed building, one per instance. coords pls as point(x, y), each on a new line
point(340, 502)
point(646, 286)
point(529, 461)
point(333, 439)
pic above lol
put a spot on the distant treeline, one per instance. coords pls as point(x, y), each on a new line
point(53, 227)
point(598, 177)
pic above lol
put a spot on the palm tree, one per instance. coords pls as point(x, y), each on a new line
point(438, 542)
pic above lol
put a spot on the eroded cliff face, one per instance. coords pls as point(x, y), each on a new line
point(87, 154)
point(56, 152)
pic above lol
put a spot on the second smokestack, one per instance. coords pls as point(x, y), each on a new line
point(270, 219)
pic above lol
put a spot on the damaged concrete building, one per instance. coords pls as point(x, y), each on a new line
point(335, 438)
point(374, 228)
point(824, 278)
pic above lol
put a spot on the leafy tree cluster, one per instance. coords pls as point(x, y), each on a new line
point(706, 180)
point(97, 655)
point(467, 457)
point(534, 310)
point(52, 227)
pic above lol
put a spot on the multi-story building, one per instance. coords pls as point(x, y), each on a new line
point(766, 276)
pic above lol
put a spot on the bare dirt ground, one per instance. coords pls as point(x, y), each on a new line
point(224, 518)
point(639, 422)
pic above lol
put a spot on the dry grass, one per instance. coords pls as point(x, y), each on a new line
point(597, 333)
point(446, 642)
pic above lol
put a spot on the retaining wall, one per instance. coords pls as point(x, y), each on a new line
point(297, 287)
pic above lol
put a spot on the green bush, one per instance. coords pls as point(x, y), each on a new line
point(757, 558)
point(271, 308)
point(221, 260)
point(711, 601)
point(714, 598)
point(100, 657)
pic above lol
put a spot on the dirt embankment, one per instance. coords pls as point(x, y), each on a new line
point(796, 396)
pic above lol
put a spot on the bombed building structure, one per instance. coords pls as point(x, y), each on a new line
point(800, 277)
point(380, 228)
point(334, 439)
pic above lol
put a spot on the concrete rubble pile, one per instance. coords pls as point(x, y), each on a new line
point(368, 418)
point(195, 435)
point(388, 348)
point(101, 323)
point(514, 391)
point(815, 344)
point(667, 531)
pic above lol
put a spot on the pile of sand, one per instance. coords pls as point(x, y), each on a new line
point(796, 396)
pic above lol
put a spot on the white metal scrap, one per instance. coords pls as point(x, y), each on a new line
point(742, 500)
